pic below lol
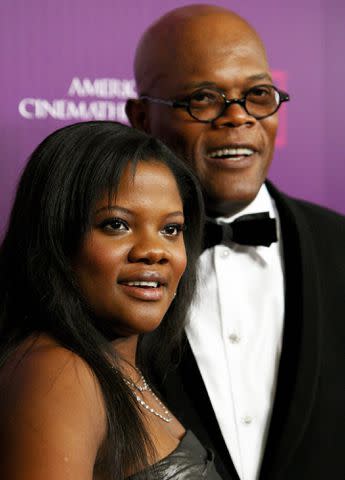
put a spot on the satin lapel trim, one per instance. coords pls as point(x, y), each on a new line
point(194, 409)
point(300, 365)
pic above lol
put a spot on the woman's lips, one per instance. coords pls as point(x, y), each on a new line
point(143, 290)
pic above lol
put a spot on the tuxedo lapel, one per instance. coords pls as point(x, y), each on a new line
point(188, 398)
point(300, 358)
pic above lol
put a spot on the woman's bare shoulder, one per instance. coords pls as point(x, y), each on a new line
point(52, 415)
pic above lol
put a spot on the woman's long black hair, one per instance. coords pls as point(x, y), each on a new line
point(65, 176)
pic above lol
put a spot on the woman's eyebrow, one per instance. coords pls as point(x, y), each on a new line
point(113, 207)
point(129, 212)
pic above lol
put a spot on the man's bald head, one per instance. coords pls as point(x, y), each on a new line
point(180, 32)
point(193, 52)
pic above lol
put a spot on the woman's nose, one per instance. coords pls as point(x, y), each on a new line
point(149, 249)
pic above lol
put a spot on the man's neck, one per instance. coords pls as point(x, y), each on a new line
point(261, 202)
point(227, 209)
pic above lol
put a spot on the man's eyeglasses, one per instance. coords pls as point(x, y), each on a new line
point(206, 104)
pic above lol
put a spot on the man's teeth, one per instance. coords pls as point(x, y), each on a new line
point(143, 284)
point(229, 152)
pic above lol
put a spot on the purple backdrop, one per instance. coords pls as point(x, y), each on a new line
point(68, 60)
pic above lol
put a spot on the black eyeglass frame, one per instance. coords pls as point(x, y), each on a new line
point(283, 97)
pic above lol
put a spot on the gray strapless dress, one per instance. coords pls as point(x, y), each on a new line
point(189, 461)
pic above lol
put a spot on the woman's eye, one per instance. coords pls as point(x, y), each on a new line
point(173, 229)
point(114, 225)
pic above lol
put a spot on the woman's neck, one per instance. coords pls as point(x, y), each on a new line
point(126, 350)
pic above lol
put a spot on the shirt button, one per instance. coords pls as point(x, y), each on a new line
point(225, 253)
point(247, 420)
point(234, 338)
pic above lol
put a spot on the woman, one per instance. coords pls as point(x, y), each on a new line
point(95, 256)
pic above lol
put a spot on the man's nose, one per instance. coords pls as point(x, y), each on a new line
point(234, 115)
point(149, 249)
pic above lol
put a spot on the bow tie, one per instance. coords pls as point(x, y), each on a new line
point(254, 229)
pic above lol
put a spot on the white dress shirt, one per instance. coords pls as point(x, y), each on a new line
point(235, 332)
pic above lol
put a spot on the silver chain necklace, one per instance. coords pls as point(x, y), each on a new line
point(166, 417)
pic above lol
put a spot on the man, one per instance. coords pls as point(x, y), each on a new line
point(261, 380)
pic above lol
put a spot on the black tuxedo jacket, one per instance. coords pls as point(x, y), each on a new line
point(306, 439)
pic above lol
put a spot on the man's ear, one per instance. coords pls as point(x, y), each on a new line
point(137, 114)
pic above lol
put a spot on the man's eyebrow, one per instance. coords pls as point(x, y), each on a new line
point(260, 76)
point(206, 83)
point(203, 84)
